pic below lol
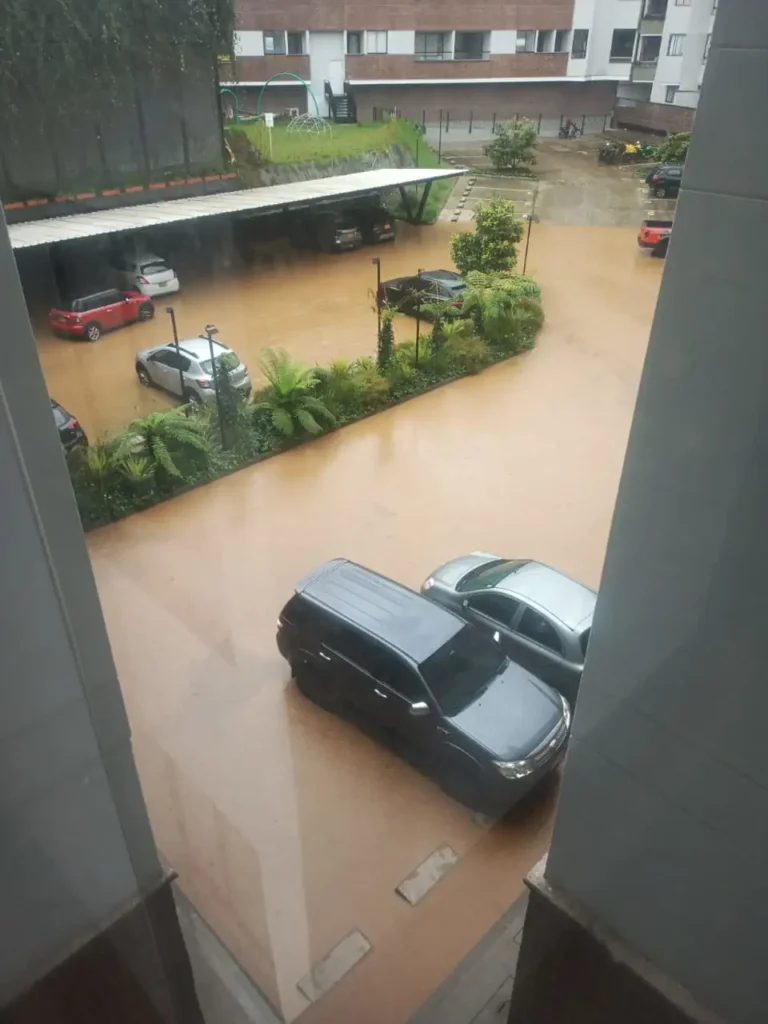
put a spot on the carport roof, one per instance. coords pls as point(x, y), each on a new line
point(272, 197)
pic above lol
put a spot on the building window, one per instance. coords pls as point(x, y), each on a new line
point(683, 3)
point(526, 41)
point(274, 42)
point(670, 93)
point(470, 46)
point(707, 45)
point(650, 47)
point(562, 40)
point(354, 42)
point(580, 40)
point(655, 9)
point(433, 46)
point(376, 42)
point(545, 41)
point(295, 42)
point(622, 44)
point(675, 45)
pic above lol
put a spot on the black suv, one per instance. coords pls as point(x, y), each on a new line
point(445, 694)
point(410, 294)
point(71, 434)
point(326, 230)
point(665, 181)
point(374, 220)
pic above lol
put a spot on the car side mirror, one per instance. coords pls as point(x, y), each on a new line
point(419, 709)
point(465, 603)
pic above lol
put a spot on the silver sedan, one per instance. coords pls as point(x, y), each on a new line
point(541, 617)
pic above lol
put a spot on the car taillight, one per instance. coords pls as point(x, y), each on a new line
point(144, 280)
point(203, 383)
point(74, 425)
point(387, 227)
point(655, 177)
point(458, 303)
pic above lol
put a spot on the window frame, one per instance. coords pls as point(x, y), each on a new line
point(674, 37)
point(682, 3)
point(360, 34)
point(649, 60)
point(377, 32)
point(526, 35)
point(579, 32)
point(302, 36)
point(707, 47)
point(675, 89)
point(613, 59)
point(444, 53)
point(565, 33)
point(278, 33)
point(512, 606)
point(484, 54)
point(528, 610)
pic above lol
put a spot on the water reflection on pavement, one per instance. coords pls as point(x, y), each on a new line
point(289, 828)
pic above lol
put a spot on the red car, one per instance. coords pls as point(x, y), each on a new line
point(89, 316)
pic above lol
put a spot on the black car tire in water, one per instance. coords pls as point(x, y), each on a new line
point(93, 331)
point(316, 687)
point(146, 311)
point(660, 192)
point(144, 378)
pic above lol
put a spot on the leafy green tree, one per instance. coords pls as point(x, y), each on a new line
point(230, 405)
point(164, 438)
point(386, 346)
point(674, 149)
point(491, 246)
point(513, 146)
point(287, 398)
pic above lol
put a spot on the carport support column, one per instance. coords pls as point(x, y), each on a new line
point(423, 203)
point(652, 903)
point(406, 202)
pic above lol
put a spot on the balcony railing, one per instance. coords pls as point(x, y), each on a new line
point(433, 55)
point(472, 55)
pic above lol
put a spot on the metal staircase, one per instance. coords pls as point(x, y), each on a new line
point(342, 106)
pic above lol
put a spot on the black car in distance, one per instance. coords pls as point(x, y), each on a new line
point(326, 230)
point(374, 220)
point(71, 434)
point(445, 694)
point(411, 294)
point(665, 181)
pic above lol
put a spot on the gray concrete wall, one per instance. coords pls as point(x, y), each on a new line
point(662, 827)
point(75, 844)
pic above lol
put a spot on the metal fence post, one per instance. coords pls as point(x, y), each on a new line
point(470, 121)
point(447, 121)
point(493, 125)
point(424, 120)
point(440, 139)
point(583, 122)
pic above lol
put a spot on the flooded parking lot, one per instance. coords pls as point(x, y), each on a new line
point(288, 827)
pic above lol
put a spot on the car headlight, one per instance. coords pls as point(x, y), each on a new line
point(515, 769)
point(429, 582)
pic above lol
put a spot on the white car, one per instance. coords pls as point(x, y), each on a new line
point(146, 272)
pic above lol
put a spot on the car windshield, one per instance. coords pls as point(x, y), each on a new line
point(227, 359)
point(155, 267)
point(490, 574)
point(459, 671)
point(59, 416)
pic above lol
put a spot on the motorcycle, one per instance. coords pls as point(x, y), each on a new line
point(569, 131)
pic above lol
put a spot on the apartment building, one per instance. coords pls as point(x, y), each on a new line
point(670, 52)
point(552, 57)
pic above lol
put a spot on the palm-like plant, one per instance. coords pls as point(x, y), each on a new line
point(288, 399)
point(161, 438)
point(136, 470)
point(337, 381)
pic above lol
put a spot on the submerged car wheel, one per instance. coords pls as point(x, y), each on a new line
point(315, 687)
point(144, 378)
point(93, 331)
point(660, 192)
point(146, 311)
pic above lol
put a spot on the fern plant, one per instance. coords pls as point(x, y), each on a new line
point(288, 398)
point(162, 438)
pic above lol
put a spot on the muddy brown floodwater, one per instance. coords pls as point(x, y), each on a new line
point(288, 827)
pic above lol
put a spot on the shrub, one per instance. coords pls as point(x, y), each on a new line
point(674, 149)
point(513, 146)
point(337, 384)
point(491, 246)
point(167, 440)
point(287, 397)
point(469, 353)
point(386, 341)
point(371, 389)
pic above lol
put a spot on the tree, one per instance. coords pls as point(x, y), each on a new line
point(513, 146)
point(162, 438)
point(230, 402)
point(491, 246)
point(674, 149)
point(287, 398)
point(386, 345)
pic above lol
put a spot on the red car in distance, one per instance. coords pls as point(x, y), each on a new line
point(89, 316)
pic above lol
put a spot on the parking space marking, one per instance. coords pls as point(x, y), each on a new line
point(494, 188)
point(334, 965)
point(428, 874)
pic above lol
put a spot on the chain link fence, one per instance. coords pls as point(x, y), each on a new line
point(463, 125)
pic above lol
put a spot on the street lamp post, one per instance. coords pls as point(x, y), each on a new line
point(210, 330)
point(530, 218)
point(171, 313)
point(377, 262)
point(418, 316)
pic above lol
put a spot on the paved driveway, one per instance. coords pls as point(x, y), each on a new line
point(290, 829)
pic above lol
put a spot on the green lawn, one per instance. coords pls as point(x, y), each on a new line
point(345, 140)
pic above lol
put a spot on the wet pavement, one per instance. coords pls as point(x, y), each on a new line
point(289, 828)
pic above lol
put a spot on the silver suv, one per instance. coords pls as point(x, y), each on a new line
point(188, 371)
